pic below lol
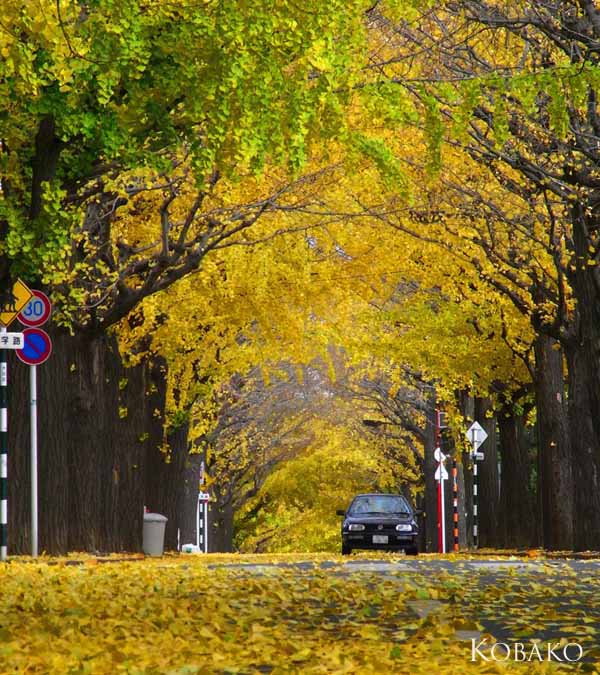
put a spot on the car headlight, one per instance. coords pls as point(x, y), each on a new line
point(404, 527)
point(356, 527)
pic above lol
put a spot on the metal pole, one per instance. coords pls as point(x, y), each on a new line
point(455, 502)
point(443, 510)
point(34, 461)
point(3, 452)
point(475, 503)
point(474, 450)
point(440, 489)
point(439, 505)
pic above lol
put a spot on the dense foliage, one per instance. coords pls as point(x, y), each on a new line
point(186, 617)
point(224, 199)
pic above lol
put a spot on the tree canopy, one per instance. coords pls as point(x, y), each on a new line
point(224, 197)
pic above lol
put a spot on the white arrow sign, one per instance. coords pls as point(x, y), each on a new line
point(443, 472)
point(439, 455)
point(476, 435)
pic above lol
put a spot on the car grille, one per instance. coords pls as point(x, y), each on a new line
point(374, 528)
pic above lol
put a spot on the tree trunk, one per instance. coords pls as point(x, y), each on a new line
point(517, 501)
point(165, 479)
point(585, 445)
point(189, 498)
point(582, 351)
point(172, 477)
point(555, 473)
point(488, 488)
point(220, 526)
point(91, 416)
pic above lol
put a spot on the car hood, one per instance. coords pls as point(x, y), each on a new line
point(380, 518)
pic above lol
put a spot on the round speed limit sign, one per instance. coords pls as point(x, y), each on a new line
point(37, 311)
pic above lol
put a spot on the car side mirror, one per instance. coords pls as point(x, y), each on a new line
point(340, 512)
point(418, 512)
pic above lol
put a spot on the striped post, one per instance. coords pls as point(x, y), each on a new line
point(3, 452)
point(474, 503)
point(205, 527)
point(200, 542)
point(455, 503)
point(440, 486)
point(202, 523)
point(198, 521)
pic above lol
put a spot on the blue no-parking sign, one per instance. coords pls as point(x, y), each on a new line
point(37, 346)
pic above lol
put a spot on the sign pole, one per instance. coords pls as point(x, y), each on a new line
point(36, 349)
point(439, 497)
point(476, 434)
point(475, 443)
point(475, 544)
point(443, 512)
point(34, 460)
point(455, 502)
point(3, 452)
point(439, 491)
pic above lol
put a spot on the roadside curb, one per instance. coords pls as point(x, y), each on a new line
point(533, 554)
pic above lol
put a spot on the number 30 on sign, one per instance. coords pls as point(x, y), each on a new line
point(37, 311)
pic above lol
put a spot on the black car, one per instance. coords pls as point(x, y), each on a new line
point(381, 522)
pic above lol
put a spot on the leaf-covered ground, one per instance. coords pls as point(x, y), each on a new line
point(288, 614)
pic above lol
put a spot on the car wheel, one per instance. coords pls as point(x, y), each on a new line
point(346, 550)
point(413, 550)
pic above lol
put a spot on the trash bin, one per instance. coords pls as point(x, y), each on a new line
point(153, 539)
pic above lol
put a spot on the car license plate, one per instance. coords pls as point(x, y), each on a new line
point(380, 539)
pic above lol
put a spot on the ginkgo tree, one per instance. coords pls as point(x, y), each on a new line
point(265, 300)
point(381, 292)
point(513, 87)
point(510, 242)
point(102, 101)
point(210, 188)
point(464, 312)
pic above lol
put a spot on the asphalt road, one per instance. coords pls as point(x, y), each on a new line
point(527, 601)
point(393, 565)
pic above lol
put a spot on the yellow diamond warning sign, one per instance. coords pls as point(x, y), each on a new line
point(13, 301)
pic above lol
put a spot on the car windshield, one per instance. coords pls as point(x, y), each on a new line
point(379, 504)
